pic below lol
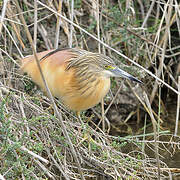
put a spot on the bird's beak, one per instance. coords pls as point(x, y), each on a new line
point(117, 72)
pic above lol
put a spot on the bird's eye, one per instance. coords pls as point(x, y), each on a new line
point(107, 67)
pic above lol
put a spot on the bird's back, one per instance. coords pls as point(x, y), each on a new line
point(53, 68)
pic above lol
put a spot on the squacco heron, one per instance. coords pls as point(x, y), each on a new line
point(80, 79)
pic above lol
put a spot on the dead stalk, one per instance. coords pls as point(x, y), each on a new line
point(155, 133)
point(178, 107)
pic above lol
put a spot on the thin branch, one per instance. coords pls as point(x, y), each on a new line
point(155, 132)
point(56, 42)
point(178, 108)
point(71, 26)
point(3, 15)
point(45, 170)
point(13, 40)
point(34, 155)
point(148, 14)
point(1, 177)
point(35, 23)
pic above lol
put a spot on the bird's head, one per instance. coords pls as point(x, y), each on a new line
point(107, 67)
point(94, 63)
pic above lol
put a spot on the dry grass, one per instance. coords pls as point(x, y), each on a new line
point(34, 136)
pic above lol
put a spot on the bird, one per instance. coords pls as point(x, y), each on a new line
point(78, 78)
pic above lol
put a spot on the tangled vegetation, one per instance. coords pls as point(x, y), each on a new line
point(140, 139)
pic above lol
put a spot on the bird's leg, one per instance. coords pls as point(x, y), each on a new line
point(90, 119)
point(79, 117)
point(103, 121)
point(50, 109)
point(86, 135)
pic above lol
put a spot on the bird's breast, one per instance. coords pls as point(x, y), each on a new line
point(88, 94)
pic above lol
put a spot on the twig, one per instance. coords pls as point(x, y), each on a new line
point(23, 148)
point(33, 154)
point(58, 165)
point(145, 107)
point(105, 112)
point(1, 177)
point(7, 54)
point(118, 91)
point(96, 13)
point(39, 20)
point(98, 24)
point(177, 12)
point(13, 40)
point(45, 169)
point(71, 26)
point(3, 15)
point(102, 111)
point(43, 33)
point(155, 132)
point(14, 24)
point(35, 23)
point(56, 42)
point(24, 116)
point(178, 107)
point(148, 13)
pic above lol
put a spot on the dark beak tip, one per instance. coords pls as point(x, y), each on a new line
point(140, 82)
point(136, 80)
